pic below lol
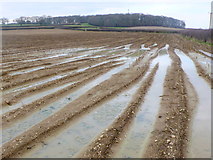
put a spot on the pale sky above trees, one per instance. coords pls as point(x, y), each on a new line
point(196, 13)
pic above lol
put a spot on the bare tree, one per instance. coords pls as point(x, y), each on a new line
point(4, 20)
point(21, 20)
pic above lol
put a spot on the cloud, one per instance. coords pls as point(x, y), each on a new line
point(187, 10)
point(114, 1)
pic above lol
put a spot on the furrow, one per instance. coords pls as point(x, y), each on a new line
point(93, 97)
point(79, 74)
point(134, 143)
point(102, 146)
point(80, 132)
point(11, 116)
point(201, 71)
point(21, 79)
point(200, 129)
point(170, 135)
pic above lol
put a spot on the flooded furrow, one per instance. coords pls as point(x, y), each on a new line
point(35, 71)
point(32, 85)
point(204, 62)
point(85, 102)
point(200, 144)
point(34, 97)
point(59, 53)
point(58, 57)
point(59, 79)
point(66, 61)
point(134, 144)
point(20, 126)
point(75, 136)
point(103, 146)
point(206, 53)
point(19, 113)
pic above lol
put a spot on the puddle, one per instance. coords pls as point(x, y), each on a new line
point(37, 59)
point(22, 125)
point(26, 71)
point(134, 144)
point(144, 48)
point(127, 47)
point(75, 137)
point(206, 53)
point(31, 85)
point(204, 61)
point(148, 55)
point(163, 50)
point(72, 50)
point(61, 52)
point(59, 55)
point(27, 86)
point(34, 97)
point(66, 60)
point(154, 45)
point(200, 139)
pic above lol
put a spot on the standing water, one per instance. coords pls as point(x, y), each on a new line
point(200, 140)
point(135, 142)
point(24, 124)
point(76, 136)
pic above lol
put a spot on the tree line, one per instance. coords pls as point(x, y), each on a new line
point(109, 20)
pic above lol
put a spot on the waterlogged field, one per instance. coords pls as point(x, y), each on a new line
point(101, 95)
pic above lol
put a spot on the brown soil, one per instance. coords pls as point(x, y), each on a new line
point(170, 136)
point(39, 40)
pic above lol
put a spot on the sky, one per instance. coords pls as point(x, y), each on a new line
point(195, 13)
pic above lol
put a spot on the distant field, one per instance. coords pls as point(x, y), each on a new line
point(80, 25)
point(154, 28)
point(204, 36)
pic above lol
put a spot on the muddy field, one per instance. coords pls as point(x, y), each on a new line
point(104, 94)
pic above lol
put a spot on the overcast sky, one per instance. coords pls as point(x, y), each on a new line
point(196, 13)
